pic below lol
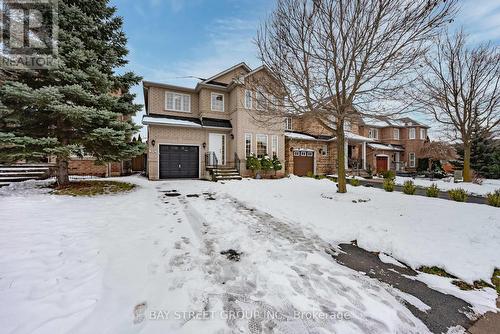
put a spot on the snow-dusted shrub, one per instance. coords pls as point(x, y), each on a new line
point(409, 187)
point(432, 191)
point(494, 198)
point(389, 174)
point(389, 185)
point(277, 164)
point(354, 182)
point(458, 195)
point(266, 164)
point(253, 163)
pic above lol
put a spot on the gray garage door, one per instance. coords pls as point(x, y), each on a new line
point(179, 161)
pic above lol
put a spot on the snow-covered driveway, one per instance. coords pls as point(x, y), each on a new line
point(110, 264)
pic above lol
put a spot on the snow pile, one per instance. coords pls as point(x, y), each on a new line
point(488, 185)
point(462, 238)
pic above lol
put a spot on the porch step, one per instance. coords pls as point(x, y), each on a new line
point(19, 173)
point(226, 173)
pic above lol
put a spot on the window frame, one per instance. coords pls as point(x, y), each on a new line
point(212, 101)
point(273, 138)
point(373, 133)
point(394, 131)
point(257, 144)
point(248, 101)
point(260, 92)
point(248, 135)
point(182, 95)
point(288, 123)
point(422, 131)
point(410, 164)
point(410, 133)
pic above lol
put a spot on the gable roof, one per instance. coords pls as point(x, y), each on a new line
point(242, 64)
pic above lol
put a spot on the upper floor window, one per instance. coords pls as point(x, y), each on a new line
point(395, 133)
point(411, 133)
point(261, 100)
point(248, 144)
point(347, 125)
point(373, 133)
point(177, 102)
point(248, 99)
point(288, 123)
point(217, 102)
point(422, 133)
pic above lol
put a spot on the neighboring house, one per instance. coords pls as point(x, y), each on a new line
point(210, 129)
point(378, 144)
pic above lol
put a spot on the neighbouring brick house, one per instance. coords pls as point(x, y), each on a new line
point(209, 131)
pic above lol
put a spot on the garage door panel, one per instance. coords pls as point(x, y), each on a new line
point(303, 163)
point(179, 161)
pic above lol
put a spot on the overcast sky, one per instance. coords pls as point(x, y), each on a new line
point(171, 39)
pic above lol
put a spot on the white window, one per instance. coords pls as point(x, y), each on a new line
point(288, 123)
point(411, 158)
point(422, 133)
point(248, 144)
point(373, 133)
point(261, 100)
point(395, 133)
point(248, 99)
point(324, 150)
point(217, 102)
point(411, 133)
point(177, 102)
point(274, 146)
point(261, 145)
point(347, 125)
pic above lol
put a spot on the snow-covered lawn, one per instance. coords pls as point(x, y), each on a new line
point(462, 238)
point(95, 265)
point(487, 186)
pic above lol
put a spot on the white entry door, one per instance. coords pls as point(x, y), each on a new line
point(217, 144)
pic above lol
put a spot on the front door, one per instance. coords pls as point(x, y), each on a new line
point(382, 164)
point(217, 144)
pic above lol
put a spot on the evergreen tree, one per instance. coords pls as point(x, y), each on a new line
point(485, 154)
point(80, 107)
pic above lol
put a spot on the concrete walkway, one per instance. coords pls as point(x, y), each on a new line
point(445, 310)
point(421, 191)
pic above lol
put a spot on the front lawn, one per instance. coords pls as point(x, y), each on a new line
point(461, 238)
point(93, 188)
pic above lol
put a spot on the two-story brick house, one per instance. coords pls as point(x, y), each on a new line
point(193, 132)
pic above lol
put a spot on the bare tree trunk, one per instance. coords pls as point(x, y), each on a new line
point(467, 170)
point(62, 172)
point(342, 188)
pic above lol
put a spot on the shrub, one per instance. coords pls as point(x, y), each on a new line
point(310, 174)
point(494, 198)
point(458, 195)
point(409, 187)
point(389, 185)
point(432, 191)
point(354, 182)
point(389, 174)
point(369, 172)
point(276, 164)
point(266, 164)
point(253, 163)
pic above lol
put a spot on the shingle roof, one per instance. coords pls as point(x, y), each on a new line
point(186, 121)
